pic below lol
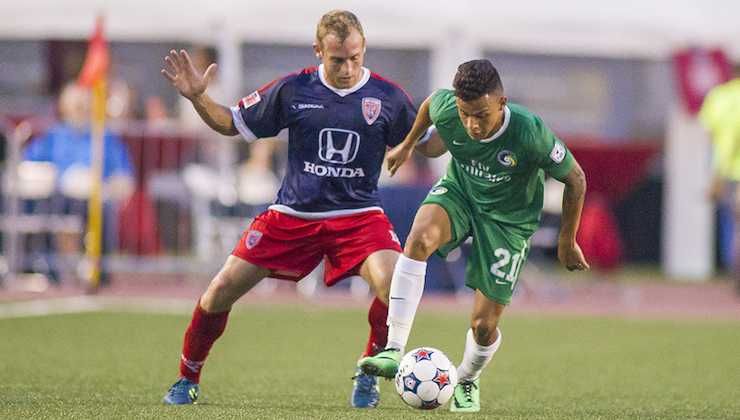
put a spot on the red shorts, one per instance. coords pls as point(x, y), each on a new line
point(292, 247)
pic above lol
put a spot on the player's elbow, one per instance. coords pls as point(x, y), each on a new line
point(576, 180)
point(431, 152)
point(424, 151)
point(226, 129)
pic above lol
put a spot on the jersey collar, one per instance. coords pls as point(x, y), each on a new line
point(344, 92)
point(500, 131)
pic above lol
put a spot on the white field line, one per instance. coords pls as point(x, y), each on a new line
point(81, 304)
point(44, 307)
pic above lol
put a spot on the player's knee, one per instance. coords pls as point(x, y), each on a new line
point(484, 330)
point(421, 244)
point(382, 288)
point(220, 294)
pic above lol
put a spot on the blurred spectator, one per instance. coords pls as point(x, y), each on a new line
point(720, 114)
point(155, 113)
point(258, 183)
point(66, 145)
point(2, 147)
point(121, 103)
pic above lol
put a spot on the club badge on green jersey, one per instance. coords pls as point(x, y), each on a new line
point(438, 190)
point(506, 158)
point(557, 154)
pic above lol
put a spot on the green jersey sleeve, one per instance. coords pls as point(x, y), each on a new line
point(552, 154)
point(442, 110)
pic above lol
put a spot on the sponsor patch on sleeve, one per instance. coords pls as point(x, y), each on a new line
point(557, 154)
point(250, 100)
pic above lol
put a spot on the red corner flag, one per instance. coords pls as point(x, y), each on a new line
point(97, 58)
point(94, 75)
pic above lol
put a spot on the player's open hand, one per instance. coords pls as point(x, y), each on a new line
point(397, 156)
point(571, 256)
point(179, 70)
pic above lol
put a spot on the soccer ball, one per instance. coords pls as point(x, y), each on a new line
point(426, 378)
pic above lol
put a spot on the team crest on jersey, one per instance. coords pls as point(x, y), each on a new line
point(253, 238)
point(438, 191)
point(557, 154)
point(252, 99)
point(371, 109)
point(506, 158)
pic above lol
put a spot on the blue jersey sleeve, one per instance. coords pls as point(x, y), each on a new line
point(39, 149)
point(260, 114)
point(403, 118)
point(117, 160)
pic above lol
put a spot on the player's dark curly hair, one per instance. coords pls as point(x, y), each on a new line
point(339, 23)
point(476, 78)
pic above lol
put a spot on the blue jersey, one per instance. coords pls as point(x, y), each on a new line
point(66, 146)
point(337, 138)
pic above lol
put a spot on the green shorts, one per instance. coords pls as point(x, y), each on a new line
point(499, 250)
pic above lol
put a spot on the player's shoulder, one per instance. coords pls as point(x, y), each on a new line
point(297, 78)
point(443, 97)
point(522, 119)
point(522, 115)
point(442, 106)
point(528, 127)
point(390, 88)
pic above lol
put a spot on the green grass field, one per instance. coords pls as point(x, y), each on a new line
point(286, 363)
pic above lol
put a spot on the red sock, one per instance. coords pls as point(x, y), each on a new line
point(204, 329)
point(377, 317)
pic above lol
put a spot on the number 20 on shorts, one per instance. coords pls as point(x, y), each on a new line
point(504, 257)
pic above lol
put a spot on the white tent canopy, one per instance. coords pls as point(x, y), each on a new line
point(631, 28)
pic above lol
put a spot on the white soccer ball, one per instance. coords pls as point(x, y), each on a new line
point(426, 378)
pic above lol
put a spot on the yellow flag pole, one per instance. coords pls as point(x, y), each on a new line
point(94, 238)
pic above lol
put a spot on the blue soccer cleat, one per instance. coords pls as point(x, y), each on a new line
point(365, 392)
point(182, 392)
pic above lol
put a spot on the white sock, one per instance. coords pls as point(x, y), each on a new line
point(476, 357)
point(407, 287)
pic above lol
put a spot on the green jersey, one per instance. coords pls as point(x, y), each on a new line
point(503, 176)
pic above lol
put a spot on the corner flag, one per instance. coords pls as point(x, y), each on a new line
point(94, 75)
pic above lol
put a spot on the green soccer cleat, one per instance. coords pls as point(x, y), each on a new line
point(383, 364)
point(466, 398)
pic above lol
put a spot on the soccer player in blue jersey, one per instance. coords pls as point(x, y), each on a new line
point(341, 118)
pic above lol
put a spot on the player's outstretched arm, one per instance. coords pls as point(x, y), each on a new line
point(569, 253)
point(401, 153)
point(179, 70)
point(432, 147)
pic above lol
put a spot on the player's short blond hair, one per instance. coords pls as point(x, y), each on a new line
point(339, 23)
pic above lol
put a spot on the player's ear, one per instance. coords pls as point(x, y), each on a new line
point(502, 101)
point(317, 49)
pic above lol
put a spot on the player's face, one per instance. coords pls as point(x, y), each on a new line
point(342, 60)
point(482, 116)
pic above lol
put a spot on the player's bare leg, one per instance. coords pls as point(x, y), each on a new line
point(430, 230)
point(235, 278)
point(233, 281)
point(482, 341)
point(377, 271)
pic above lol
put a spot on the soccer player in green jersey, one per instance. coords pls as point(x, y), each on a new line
point(492, 192)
